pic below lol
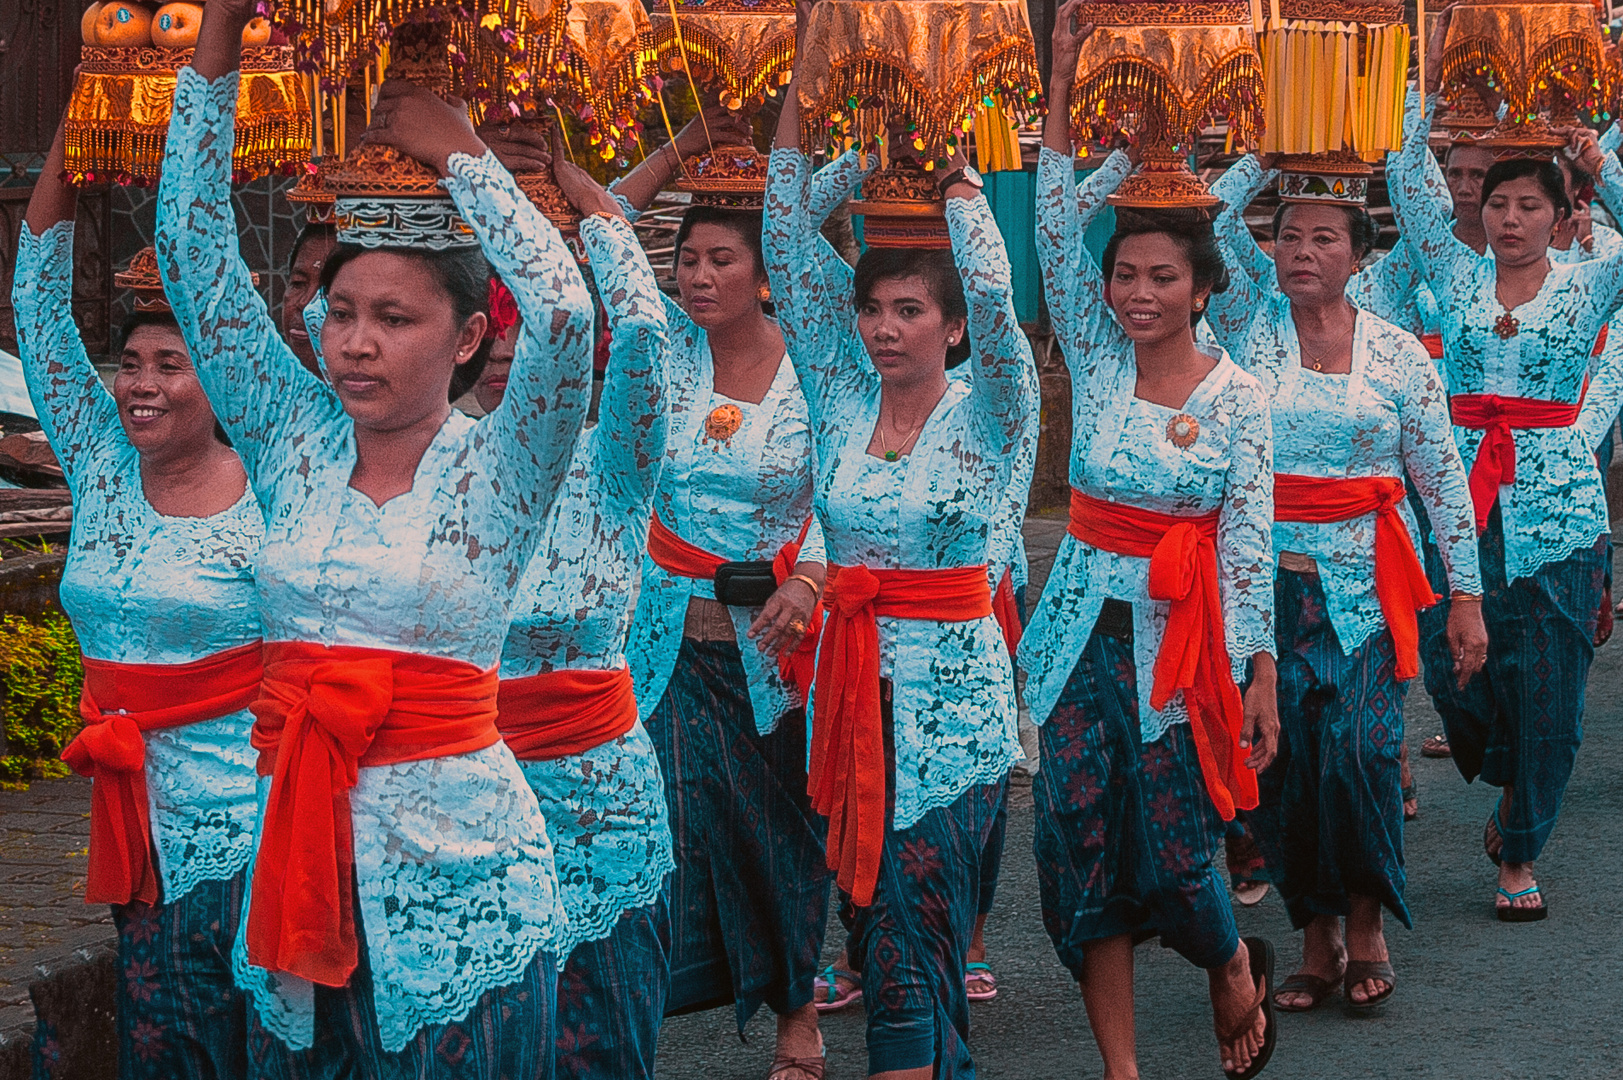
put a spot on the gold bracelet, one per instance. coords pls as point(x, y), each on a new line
point(816, 592)
point(1460, 597)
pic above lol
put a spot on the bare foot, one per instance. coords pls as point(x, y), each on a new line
point(798, 1040)
point(1234, 997)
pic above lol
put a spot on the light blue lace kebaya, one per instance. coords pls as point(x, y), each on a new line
point(1387, 417)
point(1122, 451)
point(1556, 505)
point(454, 867)
point(605, 808)
point(142, 587)
point(741, 498)
point(938, 507)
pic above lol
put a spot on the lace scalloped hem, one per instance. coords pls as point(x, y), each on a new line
point(1531, 562)
point(399, 1022)
point(608, 913)
point(935, 798)
point(193, 872)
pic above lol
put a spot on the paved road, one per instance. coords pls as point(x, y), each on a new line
point(1476, 999)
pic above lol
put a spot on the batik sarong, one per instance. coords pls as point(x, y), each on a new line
point(611, 999)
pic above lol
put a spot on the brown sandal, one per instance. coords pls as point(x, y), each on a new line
point(1312, 986)
point(1260, 952)
point(810, 1068)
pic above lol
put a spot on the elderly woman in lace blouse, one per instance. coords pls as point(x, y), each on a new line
point(1356, 405)
point(1518, 333)
point(159, 585)
point(404, 876)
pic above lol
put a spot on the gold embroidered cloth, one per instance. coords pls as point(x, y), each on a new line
point(928, 61)
point(737, 51)
point(118, 116)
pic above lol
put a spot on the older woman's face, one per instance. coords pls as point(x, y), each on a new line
point(160, 402)
point(492, 385)
point(1314, 255)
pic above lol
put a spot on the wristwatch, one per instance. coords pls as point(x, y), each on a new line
point(967, 174)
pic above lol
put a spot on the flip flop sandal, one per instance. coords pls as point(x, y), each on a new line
point(982, 974)
point(1509, 912)
point(1251, 893)
point(1492, 842)
point(827, 993)
point(1364, 971)
point(788, 1068)
point(1436, 746)
point(1261, 952)
point(1314, 987)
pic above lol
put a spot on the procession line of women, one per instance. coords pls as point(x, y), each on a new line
point(393, 778)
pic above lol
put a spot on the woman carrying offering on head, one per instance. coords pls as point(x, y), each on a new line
point(403, 890)
point(1356, 405)
point(1166, 574)
point(159, 585)
point(913, 713)
point(1518, 331)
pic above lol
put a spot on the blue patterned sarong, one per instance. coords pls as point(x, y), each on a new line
point(1341, 716)
point(1127, 839)
point(1520, 721)
point(749, 896)
point(611, 999)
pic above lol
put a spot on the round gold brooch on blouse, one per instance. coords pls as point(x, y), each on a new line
point(723, 422)
point(1183, 430)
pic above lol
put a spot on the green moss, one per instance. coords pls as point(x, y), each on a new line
point(41, 676)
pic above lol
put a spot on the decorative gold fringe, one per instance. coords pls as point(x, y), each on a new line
point(1334, 86)
point(865, 90)
point(1134, 95)
point(715, 64)
point(1567, 76)
point(118, 119)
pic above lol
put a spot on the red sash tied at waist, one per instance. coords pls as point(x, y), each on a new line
point(1194, 656)
point(1007, 612)
point(847, 774)
point(1496, 417)
point(1400, 581)
point(323, 712)
point(676, 556)
point(119, 702)
point(566, 712)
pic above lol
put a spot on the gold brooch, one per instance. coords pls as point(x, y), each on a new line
point(1183, 430)
point(1506, 326)
point(723, 422)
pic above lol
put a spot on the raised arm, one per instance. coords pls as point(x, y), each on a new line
point(261, 394)
point(1230, 313)
point(1422, 205)
point(1605, 393)
point(74, 408)
point(1245, 545)
point(1432, 460)
point(1603, 272)
point(718, 126)
point(1237, 187)
point(632, 412)
point(1004, 377)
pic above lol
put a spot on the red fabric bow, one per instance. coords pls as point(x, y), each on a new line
point(323, 712)
point(119, 702)
point(1194, 656)
point(847, 775)
point(1497, 417)
point(1400, 580)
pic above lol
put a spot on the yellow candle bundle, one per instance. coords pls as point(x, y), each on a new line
point(1334, 86)
point(997, 147)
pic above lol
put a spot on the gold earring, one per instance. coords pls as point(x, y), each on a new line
point(764, 293)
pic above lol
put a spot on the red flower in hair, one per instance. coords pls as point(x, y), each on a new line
point(503, 310)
